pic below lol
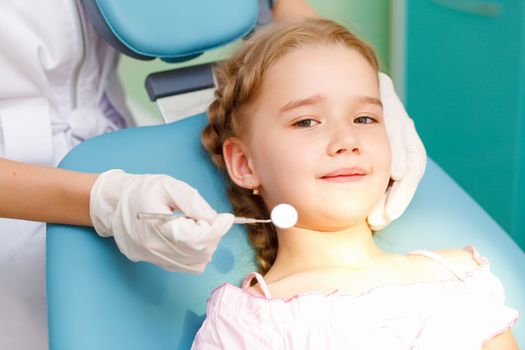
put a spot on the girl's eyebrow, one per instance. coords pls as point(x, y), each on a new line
point(369, 100)
point(314, 99)
point(301, 102)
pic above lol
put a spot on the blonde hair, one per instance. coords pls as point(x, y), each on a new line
point(238, 82)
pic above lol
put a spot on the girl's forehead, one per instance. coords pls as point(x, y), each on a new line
point(314, 49)
point(317, 59)
point(318, 69)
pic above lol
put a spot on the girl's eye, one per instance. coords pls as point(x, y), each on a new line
point(306, 123)
point(364, 120)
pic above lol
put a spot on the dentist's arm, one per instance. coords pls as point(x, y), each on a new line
point(110, 203)
point(44, 194)
point(288, 11)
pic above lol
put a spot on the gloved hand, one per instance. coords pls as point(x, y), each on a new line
point(409, 158)
point(182, 244)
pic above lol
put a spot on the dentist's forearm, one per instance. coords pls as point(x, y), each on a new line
point(44, 194)
point(288, 11)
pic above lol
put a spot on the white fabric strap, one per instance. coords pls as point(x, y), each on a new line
point(261, 282)
point(441, 260)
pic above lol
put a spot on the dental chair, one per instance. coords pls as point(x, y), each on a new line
point(98, 299)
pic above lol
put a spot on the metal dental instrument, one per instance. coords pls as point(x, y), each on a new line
point(167, 217)
point(283, 216)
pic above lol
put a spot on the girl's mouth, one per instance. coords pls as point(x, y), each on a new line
point(353, 174)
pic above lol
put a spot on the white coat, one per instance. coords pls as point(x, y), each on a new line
point(58, 87)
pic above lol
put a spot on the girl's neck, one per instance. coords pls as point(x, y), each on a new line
point(302, 249)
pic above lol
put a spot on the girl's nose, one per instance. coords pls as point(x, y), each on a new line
point(343, 139)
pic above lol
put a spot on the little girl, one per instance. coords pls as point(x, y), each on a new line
point(297, 119)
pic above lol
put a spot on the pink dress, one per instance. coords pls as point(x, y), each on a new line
point(462, 312)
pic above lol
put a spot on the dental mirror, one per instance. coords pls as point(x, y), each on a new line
point(283, 216)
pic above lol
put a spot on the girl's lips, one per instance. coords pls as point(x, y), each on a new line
point(345, 175)
point(344, 178)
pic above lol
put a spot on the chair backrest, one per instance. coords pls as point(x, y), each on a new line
point(97, 299)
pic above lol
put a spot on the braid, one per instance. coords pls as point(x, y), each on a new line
point(221, 126)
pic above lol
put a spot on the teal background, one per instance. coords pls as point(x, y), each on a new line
point(465, 88)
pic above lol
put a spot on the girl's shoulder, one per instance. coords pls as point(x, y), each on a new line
point(466, 259)
point(458, 263)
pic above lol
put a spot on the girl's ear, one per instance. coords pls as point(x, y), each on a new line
point(237, 159)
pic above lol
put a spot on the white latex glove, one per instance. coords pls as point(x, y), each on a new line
point(409, 158)
point(183, 245)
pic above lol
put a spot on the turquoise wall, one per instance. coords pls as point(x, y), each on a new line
point(465, 83)
point(369, 19)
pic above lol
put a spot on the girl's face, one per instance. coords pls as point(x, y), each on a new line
point(317, 139)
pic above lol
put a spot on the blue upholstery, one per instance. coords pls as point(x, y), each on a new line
point(173, 29)
point(97, 299)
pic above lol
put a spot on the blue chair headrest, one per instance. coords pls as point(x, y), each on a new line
point(171, 30)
